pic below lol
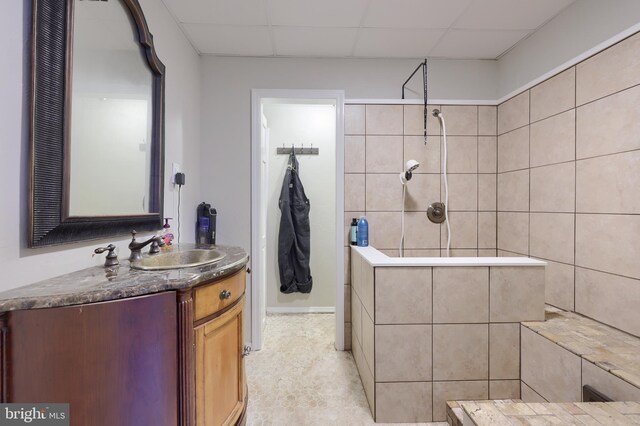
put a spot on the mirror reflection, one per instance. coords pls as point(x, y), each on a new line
point(111, 114)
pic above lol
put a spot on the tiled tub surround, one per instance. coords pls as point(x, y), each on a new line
point(569, 186)
point(379, 139)
point(568, 351)
point(427, 330)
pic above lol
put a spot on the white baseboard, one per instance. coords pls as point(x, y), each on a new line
point(302, 310)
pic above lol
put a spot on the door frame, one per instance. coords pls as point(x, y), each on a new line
point(257, 96)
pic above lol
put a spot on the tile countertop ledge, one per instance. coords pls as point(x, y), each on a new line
point(377, 258)
point(99, 284)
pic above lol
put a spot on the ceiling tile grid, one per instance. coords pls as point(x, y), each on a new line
point(456, 29)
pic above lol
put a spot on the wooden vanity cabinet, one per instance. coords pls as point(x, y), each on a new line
point(220, 384)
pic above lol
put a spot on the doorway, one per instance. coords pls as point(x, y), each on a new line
point(298, 118)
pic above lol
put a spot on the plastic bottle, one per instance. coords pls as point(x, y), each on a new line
point(353, 239)
point(167, 235)
point(363, 232)
point(203, 231)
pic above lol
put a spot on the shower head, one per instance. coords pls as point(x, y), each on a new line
point(408, 169)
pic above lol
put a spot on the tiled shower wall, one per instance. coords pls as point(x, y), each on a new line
point(569, 184)
point(379, 139)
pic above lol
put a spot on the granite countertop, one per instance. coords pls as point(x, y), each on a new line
point(98, 284)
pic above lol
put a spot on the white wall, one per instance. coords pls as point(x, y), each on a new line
point(226, 110)
point(21, 265)
point(580, 27)
point(308, 124)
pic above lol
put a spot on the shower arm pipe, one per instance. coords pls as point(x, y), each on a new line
point(422, 65)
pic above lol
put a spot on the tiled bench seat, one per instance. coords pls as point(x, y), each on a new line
point(508, 413)
point(567, 351)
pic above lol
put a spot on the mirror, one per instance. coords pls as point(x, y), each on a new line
point(97, 122)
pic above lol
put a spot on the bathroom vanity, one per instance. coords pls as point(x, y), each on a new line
point(128, 347)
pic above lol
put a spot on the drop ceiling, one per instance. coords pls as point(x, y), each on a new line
point(458, 29)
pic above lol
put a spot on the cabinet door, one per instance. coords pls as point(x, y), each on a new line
point(220, 387)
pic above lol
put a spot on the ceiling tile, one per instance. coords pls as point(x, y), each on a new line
point(396, 43)
point(510, 14)
point(230, 40)
point(323, 42)
point(224, 12)
point(316, 13)
point(472, 44)
point(414, 13)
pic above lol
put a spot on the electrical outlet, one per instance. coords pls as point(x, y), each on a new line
point(175, 168)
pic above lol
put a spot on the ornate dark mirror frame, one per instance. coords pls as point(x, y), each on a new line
point(52, 41)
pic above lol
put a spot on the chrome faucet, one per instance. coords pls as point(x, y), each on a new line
point(136, 247)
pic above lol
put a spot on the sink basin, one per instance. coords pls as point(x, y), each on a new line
point(178, 259)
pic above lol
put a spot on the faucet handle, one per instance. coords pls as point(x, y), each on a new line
point(112, 257)
point(133, 235)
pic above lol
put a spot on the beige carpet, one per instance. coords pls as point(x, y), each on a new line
point(298, 378)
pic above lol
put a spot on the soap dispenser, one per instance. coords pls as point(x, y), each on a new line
point(167, 234)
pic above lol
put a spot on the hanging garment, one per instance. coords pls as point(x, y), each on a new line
point(294, 239)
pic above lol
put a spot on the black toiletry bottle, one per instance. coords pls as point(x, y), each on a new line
point(353, 234)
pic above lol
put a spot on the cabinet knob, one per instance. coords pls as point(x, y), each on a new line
point(246, 350)
point(225, 294)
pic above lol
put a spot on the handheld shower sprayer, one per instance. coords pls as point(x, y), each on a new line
point(406, 175)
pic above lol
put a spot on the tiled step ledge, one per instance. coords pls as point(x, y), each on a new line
point(610, 349)
point(509, 412)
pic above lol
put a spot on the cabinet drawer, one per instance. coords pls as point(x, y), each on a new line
point(211, 298)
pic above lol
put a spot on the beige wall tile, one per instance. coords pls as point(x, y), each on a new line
point(367, 289)
point(553, 188)
point(356, 319)
point(368, 342)
point(427, 155)
point(464, 230)
point(462, 154)
point(504, 389)
point(559, 287)
point(421, 253)
point(354, 192)
point(552, 236)
point(354, 119)
point(487, 253)
point(354, 154)
point(403, 402)
point(384, 119)
point(414, 120)
point(551, 371)
point(403, 295)
point(487, 230)
point(513, 232)
point(347, 336)
point(420, 233)
point(460, 295)
point(384, 229)
point(463, 192)
point(356, 272)
point(529, 395)
point(347, 304)
point(403, 353)
point(384, 154)
point(608, 243)
point(451, 391)
point(608, 298)
point(422, 190)
point(487, 192)
point(613, 387)
point(366, 376)
point(513, 150)
point(513, 113)
point(516, 293)
point(504, 351)
point(487, 154)
point(553, 140)
point(609, 125)
point(487, 120)
point(503, 253)
point(384, 192)
point(513, 191)
point(614, 69)
point(554, 95)
point(460, 352)
point(461, 120)
point(347, 266)
point(459, 252)
point(613, 178)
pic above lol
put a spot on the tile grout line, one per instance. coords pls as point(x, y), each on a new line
point(529, 170)
point(575, 187)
